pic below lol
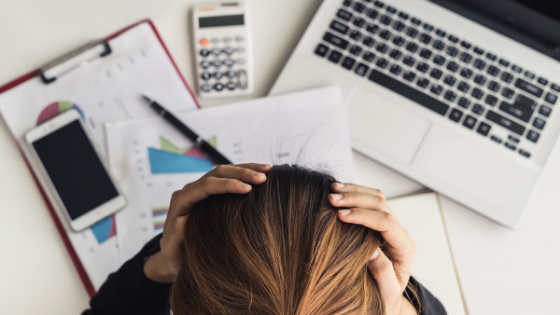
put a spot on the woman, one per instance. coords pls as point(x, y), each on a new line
point(280, 247)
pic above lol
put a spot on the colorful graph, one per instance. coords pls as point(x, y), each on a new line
point(159, 215)
point(104, 229)
point(53, 109)
point(172, 159)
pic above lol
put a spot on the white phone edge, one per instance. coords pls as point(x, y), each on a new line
point(91, 217)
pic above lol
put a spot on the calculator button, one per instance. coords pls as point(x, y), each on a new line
point(204, 52)
point(215, 40)
point(228, 50)
point(230, 74)
point(204, 42)
point(205, 64)
point(242, 79)
point(206, 76)
point(216, 51)
point(206, 87)
point(218, 87)
point(241, 61)
point(218, 63)
point(239, 38)
point(240, 50)
point(227, 39)
point(231, 86)
point(218, 75)
point(229, 63)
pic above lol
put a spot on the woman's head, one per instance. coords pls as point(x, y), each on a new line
point(280, 249)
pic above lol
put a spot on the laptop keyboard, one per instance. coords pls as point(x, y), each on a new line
point(437, 70)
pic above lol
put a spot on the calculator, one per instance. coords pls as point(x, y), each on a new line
point(224, 66)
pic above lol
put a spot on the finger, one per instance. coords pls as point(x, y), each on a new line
point(359, 189)
point(357, 200)
point(251, 173)
point(383, 272)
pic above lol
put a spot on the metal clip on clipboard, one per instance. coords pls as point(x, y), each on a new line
point(74, 60)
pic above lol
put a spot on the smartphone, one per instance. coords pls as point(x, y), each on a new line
point(72, 172)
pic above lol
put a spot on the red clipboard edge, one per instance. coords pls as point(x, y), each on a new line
point(61, 230)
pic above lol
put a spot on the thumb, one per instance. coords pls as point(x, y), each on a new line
point(382, 270)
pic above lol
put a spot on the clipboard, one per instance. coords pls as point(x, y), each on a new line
point(53, 72)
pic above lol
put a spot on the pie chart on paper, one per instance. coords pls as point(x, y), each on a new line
point(53, 109)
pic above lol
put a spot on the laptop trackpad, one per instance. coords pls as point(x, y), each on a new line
point(384, 126)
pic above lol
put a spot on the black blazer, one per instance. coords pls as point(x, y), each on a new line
point(129, 291)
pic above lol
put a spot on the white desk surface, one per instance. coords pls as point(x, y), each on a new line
point(501, 271)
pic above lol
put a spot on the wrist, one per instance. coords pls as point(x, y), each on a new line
point(157, 269)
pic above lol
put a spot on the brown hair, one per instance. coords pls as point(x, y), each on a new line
point(280, 249)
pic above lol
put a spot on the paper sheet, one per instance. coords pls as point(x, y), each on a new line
point(307, 128)
point(105, 90)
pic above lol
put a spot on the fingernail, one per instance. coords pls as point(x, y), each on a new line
point(345, 211)
point(375, 254)
point(257, 174)
point(265, 165)
point(339, 185)
point(245, 185)
point(336, 196)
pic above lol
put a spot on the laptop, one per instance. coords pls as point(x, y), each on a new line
point(459, 96)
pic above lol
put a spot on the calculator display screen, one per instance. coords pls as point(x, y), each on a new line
point(223, 20)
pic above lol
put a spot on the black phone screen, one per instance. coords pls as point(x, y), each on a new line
point(75, 169)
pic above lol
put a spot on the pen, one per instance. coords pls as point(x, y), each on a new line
point(210, 151)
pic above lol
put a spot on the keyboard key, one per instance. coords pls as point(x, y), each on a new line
point(416, 21)
point(355, 35)
point(507, 77)
point(516, 69)
point(436, 89)
point(491, 100)
point(528, 87)
point(372, 28)
point(339, 27)
point(478, 109)
point(399, 41)
point(479, 64)
point(450, 96)
point(480, 79)
point(385, 19)
point(403, 15)
point(450, 80)
point(412, 32)
point(428, 27)
point(439, 60)
point(372, 13)
point(361, 69)
point(359, 22)
point(513, 139)
point(516, 111)
point(395, 54)
point(496, 139)
point(385, 34)
point(436, 73)
point(483, 128)
point(504, 63)
point(409, 61)
point(359, 7)
point(425, 38)
point(466, 73)
point(423, 82)
point(343, 14)
point(551, 98)
point(494, 86)
point(533, 136)
point(465, 57)
point(379, 4)
point(422, 67)
point(510, 146)
point(464, 102)
point(529, 75)
point(382, 63)
point(438, 44)
point(463, 86)
point(477, 93)
point(453, 39)
point(368, 56)
point(525, 102)
point(368, 41)
point(555, 87)
point(409, 76)
point(335, 56)
point(347, 3)
point(425, 53)
point(524, 153)
point(348, 63)
point(539, 123)
point(335, 40)
point(321, 50)
point(440, 33)
point(493, 70)
point(466, 45)
point(491, 56)
point(452, 66)
point(505, 122)
point(469, 122)
point(455, 115)
point(409, 92)
point(507, 92)
point(545, 110)
point(478, 50)
point(412, 47)
point(452, 51)
point(355, 50)
point(391, 10)
point(382, 48)
point(399, 26)
point(395, 69)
